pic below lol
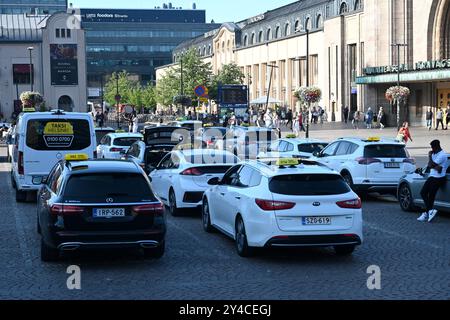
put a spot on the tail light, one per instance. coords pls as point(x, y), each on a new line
point(191, 172)
point(150, 209)
point(63, 210)
point(115, 149)
point(269, 205)
point(367, 161)
point(350, 204)
point(210, 142)
point(410, 161)
point(20, 163)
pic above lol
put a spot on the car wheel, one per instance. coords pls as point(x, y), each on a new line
point(48, 254)
point(174, 211)
point(348, 178)
point(206, 217)
point(405, 198)
point(13, 182)
point(21, 196)
point(155, 253)
point(242, 246)
point(344, 250)
point(38, 225)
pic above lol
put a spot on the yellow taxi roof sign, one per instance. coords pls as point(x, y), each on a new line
point(58, 128)
point(287, 162)
point(374, 139)
point(26, 110)
point(76, 157)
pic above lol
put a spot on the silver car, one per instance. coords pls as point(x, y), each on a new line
point(409, 188)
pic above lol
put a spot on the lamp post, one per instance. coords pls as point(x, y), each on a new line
point(271, 66)
point(118, 98)
point(305, 28)
point(30, 49)
point(398, 45)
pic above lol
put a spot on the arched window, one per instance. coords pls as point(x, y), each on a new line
point(269, 34)
point(209, 50)
point(358, 4)
point(287, 30)
point(204, 50)
point(199, 51)
point(344, 8)
point(319, 22)
point(245, 40)
point(308, 24)
point(297, 26)
point(277, 32)
point(252, 39)
point(260, 37)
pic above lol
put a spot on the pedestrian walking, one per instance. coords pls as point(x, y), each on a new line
point(382, 118)
point(404, 135)
point(135, 120)
point(369, 118)
point(356, 119)
point(440, 118)
point(268, 120)
point(289, 118)
point(447, 117)
point(346, 114)
point(429, 117)
point(437, 179)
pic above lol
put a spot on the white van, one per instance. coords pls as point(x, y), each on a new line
point(44, 138)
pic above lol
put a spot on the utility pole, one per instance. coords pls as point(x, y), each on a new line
point(30, 49)
point(271, 66)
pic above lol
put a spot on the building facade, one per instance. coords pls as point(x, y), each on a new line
point(351, 56)
point(136, 41)
point(44, 53)
point(32, 6)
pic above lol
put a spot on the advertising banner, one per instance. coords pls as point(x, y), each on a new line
point(64, 64)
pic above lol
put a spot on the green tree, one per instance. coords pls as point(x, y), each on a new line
point(149, 97)
point(195, 72)
point(126, 87)
point(229, 74)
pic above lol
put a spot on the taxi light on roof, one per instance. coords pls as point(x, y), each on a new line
point(76, 157)
point(287, 162)
point(373, 139)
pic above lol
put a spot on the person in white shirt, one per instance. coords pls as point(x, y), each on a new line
point(135, 123)
point(437, 179)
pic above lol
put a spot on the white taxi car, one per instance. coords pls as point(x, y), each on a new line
point(182, 176)
point(285, 204)
point(293, 148)
point(373, 164)
point(113, 145)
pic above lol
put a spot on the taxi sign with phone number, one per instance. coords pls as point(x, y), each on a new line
point(58, 134)
point(76, 157)
point(287, 162)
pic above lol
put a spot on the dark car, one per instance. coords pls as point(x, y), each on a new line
point(101, 132)
point(147, 156)
point(95, 204)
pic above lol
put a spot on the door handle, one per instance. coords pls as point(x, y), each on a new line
point(222, 193)
point(238, 198)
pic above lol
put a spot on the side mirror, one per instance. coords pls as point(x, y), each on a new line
point(419, 171)
point(214, 181)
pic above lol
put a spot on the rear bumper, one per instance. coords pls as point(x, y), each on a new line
point(73, 240)
point(314, 241)
point(375, 187)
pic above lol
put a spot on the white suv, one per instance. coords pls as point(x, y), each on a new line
point(368, 165)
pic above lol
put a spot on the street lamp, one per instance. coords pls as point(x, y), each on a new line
point(305, 28)
point(118, 98)
point(398, 45)
point(30, 49)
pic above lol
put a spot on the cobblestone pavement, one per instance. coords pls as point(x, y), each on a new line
point(414, 260)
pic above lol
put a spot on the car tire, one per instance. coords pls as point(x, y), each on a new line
point(206, 217)
point(242, 247)
point(13, 182)
point(155, 253)
point(344, 250)
point(348, 178)
point(21, 196)
point(405, 198)
point(174, 211)
point(38, 225)
point(48, 254)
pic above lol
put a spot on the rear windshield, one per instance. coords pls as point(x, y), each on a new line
point(58, 134)
point(125, 142)
point(99, 186)
point(385, 151)
point(211, 158)
point(311, 147)
point(100, 134)
point(309, 185)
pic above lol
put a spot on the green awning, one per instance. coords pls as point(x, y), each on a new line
point(415, 76)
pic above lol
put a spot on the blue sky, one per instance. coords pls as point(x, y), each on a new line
point(219, 10)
